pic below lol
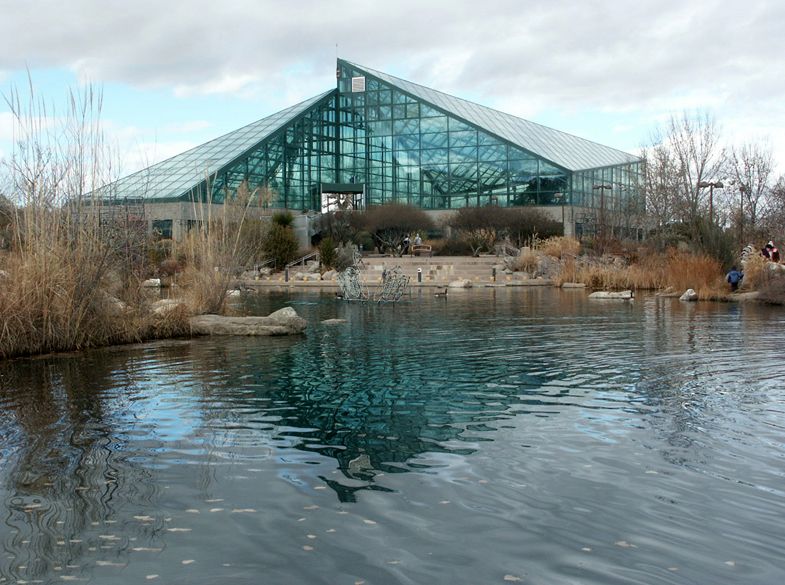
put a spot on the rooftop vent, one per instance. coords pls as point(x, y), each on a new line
point(358, 84)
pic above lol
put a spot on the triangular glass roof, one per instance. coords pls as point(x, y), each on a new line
point(177, 176)
point(568, 151)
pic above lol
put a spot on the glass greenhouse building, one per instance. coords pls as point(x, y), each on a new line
point(377, 139)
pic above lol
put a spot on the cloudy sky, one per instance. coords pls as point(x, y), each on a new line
point(176, 73)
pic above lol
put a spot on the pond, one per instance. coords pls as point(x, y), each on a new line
point(492, 436)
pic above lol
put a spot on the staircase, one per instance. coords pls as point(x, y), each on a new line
point(435, 270)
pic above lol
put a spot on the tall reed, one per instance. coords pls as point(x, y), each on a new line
point(58, 266)
point(227, 238)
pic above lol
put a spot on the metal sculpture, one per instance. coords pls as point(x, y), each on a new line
point(352, 288)
point(394, 284)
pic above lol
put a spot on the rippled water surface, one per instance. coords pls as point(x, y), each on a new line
point(497, 435)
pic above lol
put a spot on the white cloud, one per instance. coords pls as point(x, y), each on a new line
point(646, 59)
point(226, 84)
point(7, 125)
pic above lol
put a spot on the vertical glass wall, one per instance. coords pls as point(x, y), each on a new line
point(405, 150)
point(611, 197)
point(291, 162)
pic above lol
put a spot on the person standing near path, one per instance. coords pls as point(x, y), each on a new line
point(733, 278)
point(771, 252)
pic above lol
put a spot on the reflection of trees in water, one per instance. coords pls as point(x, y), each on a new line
point(66, 476)
point(695, 370)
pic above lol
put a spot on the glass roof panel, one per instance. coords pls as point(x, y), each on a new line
point(566, 150)
point(176, 176)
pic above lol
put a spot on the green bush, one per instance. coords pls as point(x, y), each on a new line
point(327, 253)
point(280, 245)
point(283, 218)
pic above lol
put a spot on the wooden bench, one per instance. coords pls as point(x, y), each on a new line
point(421, 250)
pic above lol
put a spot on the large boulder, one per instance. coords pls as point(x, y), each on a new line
point(285, 321)
point(165, 306)
point(775, 267)
point(307, 276)
point(461, 283)
point(622, 295)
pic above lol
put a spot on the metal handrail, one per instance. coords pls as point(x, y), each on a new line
point(303, 260)
point(261, 265)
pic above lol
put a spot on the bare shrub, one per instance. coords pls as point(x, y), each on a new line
point(451, 247)
point(479, 227)
point(391, 223)
point(344, 257)
point(521, 224)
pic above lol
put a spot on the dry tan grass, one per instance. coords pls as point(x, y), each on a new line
point(61, 265)
point(559, 246)
point(754, 272)
point(53, 300)
point(526, 262)
point(651, 272)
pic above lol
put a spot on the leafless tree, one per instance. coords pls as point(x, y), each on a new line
point(750, 167)
point(694, 142)
point(774, 220)
point(660, 183)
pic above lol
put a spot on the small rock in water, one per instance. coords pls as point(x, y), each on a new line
point(689, 295)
